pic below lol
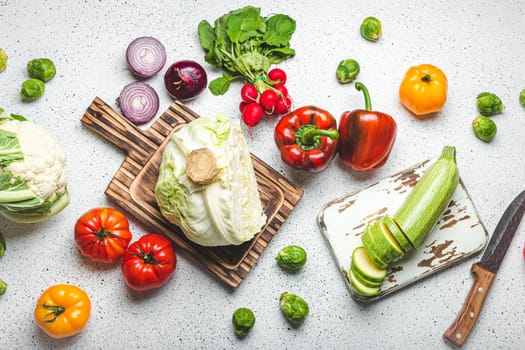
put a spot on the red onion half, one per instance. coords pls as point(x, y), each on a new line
point(145, 56)
point(185, 79)
point(138, 102)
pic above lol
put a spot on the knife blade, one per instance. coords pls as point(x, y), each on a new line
point(485, 270)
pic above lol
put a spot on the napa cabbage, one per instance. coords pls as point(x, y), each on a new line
point(225, 211)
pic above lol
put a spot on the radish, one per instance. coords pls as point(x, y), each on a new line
point(249, 93)
point(268, 100)
point(282, 89)
point(252, 114)
point(242, 105)
point(283, 105)
point(277, 75)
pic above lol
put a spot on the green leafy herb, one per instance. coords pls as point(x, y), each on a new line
point(221, 84)
point(245, 45)
point(279, 30)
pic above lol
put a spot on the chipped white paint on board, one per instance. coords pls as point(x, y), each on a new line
point(458, 234)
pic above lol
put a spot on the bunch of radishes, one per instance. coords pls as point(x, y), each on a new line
point(266, 95)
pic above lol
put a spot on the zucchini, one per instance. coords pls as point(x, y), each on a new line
point(365, 266)
point(359, 276)
point(370, 246)
point(383, 237)
point(429, 198)
point(362, 288)
point(381, 244)
point(400, 237)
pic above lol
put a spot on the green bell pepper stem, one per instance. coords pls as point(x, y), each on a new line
point(308, 136)
point(361, 87)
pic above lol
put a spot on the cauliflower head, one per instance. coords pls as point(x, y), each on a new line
point(33, 182)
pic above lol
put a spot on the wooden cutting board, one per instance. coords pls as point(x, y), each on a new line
point(132, 188)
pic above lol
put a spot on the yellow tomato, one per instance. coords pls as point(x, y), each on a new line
point(423, 90)
point(62, 310)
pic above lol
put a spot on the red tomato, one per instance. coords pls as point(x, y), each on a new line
point(102, 234)
point(149, 262)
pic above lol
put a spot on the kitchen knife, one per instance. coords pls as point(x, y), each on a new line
point(485, 270)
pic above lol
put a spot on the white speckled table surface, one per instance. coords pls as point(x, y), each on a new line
point(480, 46)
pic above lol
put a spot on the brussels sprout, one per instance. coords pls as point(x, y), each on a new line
point(3, 60)
point(32, 89)
point(41, 68)
point(3, 287)
point(291, 257)
point(243, 320)
point(484, 128)
point(489, 104)
point(347, 71)
point(294, 308)
point(371, 29)
point(522, 97)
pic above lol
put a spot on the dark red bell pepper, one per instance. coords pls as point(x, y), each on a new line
point(307, 138)
point(366, 136)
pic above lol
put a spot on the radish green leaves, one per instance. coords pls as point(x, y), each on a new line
point(245, 45)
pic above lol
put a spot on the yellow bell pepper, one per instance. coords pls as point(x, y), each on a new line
point(423, 90)
point(62, 310)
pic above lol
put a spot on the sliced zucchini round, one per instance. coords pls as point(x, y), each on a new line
point(385, 242)
point(361, 288)
point(366, 267)
point(368, 243)
point(359, 276)
point(397, 233)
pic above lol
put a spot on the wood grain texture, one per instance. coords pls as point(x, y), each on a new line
point(460, 329)
point(132, 188)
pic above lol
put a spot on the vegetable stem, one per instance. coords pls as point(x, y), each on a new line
point(309, 136)
point(55, 311)
point(16, 196)
point(102, 233)
point(426, 78)
point(449, 152)
point(361, 87)
point(149, 258)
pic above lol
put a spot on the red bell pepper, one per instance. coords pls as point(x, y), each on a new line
point(366, 136)
point(307, 138)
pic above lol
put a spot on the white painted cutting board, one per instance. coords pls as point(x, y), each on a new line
point(458, 234)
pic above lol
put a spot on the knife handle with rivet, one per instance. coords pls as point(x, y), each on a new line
point(459, 330)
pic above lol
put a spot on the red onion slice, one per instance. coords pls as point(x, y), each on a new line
point(145, 56)
point(138, 102)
